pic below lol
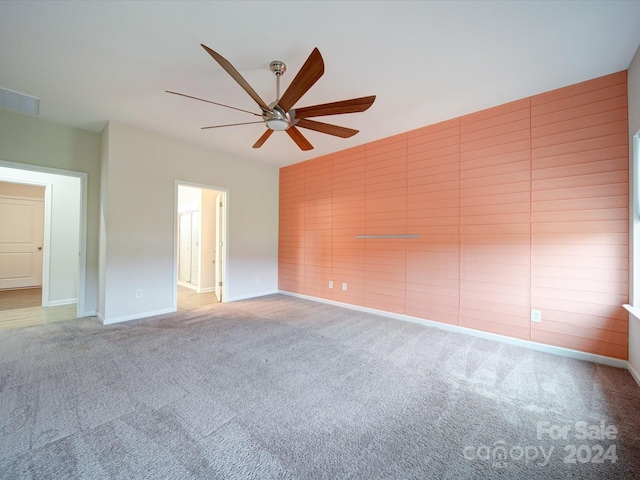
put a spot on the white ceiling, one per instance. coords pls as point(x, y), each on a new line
point(426, 61)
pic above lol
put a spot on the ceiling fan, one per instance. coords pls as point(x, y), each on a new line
point(280, 114)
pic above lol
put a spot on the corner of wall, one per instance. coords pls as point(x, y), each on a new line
point(633, 97)
point(102, 226)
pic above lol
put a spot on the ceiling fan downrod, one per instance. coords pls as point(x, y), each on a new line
point(277, 119)
point(278, 68)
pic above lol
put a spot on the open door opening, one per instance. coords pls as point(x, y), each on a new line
point(200, 246)
point(42, 242)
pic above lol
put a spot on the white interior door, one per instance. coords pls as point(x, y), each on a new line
point(219, 245)
point(21, 242)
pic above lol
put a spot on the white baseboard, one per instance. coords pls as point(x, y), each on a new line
point(135, 316)
point(541, 347)
point(206, 290)
point(634, 373)
point(57, 303)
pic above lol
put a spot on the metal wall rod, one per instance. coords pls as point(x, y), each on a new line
point(388, 236)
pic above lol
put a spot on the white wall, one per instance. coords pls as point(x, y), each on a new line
point(30, 140)
point(65, 230)
point(65, 236)
point(189, 199)
point(633, 85)
point(139, 228)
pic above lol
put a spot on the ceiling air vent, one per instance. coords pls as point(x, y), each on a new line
point(19, 102)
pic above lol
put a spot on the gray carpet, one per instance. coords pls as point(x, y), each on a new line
point(280, 387)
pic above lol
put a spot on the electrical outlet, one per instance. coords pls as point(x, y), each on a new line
point(344, 286)
point(330, 283)
point(139, 293)
point(536, 316)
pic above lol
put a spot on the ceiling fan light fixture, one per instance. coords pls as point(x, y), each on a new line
point(276, 119)
point(277, 124)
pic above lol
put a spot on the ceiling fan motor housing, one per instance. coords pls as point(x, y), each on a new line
point(277, 119)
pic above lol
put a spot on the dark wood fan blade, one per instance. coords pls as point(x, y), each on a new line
point(229, 125)
point(297, 137)
point(335, 130)
point(224, 63)
point(263, 138)
point(353, 105)
point(309, 74)
point(215, 103)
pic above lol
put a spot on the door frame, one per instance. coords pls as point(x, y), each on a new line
point(224, 235)
point(82, 258)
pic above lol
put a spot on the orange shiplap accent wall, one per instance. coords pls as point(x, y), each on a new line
point(433, 212)
point(318, 226)
point(348, 254)
point(386, 214)
point(520, 206)
point(580, 216)
point(291, 228)
point(495, 220)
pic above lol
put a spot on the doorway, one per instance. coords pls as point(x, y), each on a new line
point(189, 249)
point(60, 254)
point(200, 245)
